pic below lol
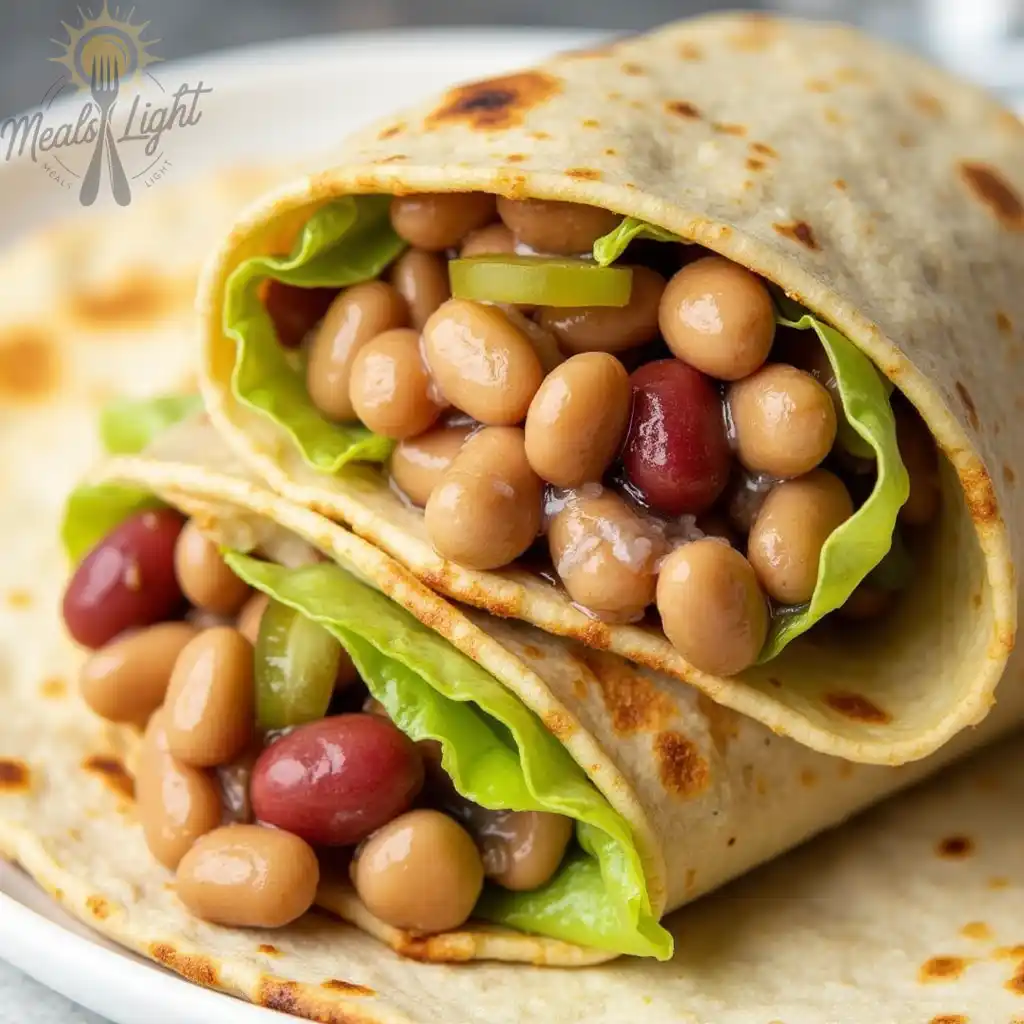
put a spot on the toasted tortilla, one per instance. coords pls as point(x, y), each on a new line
point(879, 192)
point(718, 792)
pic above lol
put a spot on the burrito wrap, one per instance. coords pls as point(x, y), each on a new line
point(872, 188)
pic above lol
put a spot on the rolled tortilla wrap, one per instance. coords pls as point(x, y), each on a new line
point(780, 173)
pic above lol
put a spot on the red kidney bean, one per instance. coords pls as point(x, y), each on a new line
point(126, 581)
point(296, 311)
point(677, 455)
point(335, 781)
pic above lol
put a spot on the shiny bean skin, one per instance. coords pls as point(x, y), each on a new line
point(718, 317)
point(486, 511)
point(786, 538)
point(204, 577)
point(418, 463)
point(921, 458)
point(522, 850)
point(577, 420)
point(481, 363)
point(436, 221)
point(247, 876)
point(126, 581)
point(495, 238)
point(609, 328)
point(605, 555)
point(785, 420)
point(390, 388)
point(335, 781)
point(210, 701)
point(422, 280)
point(553, 226)
point(126, 681)
point(421, 871)
point(359, 314)
point(296, 311)
point(175, 803)
point(677, 454)
point(250, 616)
point(712, 608)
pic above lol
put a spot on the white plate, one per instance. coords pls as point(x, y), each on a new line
point(268, 102)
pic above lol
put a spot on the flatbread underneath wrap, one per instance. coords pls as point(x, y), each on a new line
point(879, 192)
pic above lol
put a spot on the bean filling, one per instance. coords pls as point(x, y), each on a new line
point(517, 419)
point(256, 765)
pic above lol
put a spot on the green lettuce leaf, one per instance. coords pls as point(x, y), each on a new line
point(608, 248)
point(128, 425)
point(93, 510)
point(496, 751)
point(862, 542)
point(345, 242)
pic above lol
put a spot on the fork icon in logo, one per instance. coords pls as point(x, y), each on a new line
point(104, 87)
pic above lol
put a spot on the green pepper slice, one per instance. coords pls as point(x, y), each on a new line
point(296, 666)
point(539, 281)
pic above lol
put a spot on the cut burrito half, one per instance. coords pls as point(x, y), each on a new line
point(699, 348)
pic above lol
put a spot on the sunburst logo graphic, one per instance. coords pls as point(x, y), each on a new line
point(107, 116)
point(108, 40)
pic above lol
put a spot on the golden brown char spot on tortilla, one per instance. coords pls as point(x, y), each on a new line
point(690, 880)
point(197, 968)
point(690, 51)
point(808, 778)
point(496, 102)
point(840, 183)
point(98, 907)
point(137, 297)
point(391, 131)
point(584, 173)
point(395, 158)
point(942, 968)
point(532, 651)
point(682, 108)
point(579, 686)
point(1016, 983)
point(949, 1018)
point(955, 847)
point(1003, 322)
point(515, 158)
point(757, 32)
point(976, 930)
point(979, 493)
point(763, 148)
point(832, 116)
point(1008, 474)
point(991, 188)
point(559, 724)
point(753, 164)
point(858, 707)
point(611, 152)
point(817, 85)
point(267, 949)
point(633, 69)
point(1008, 952)
point(845, 769)
point(976, 599)
point(591, 122)
point(19, 599)
point(540, 136)
point(732, 841)
point(725, 128)
point(969, 407)
point(634, 703)
point(53, 688)
point(681, 768)
point(14, 775)
point(349, 987)
point(798, 231)
point(777, 683)
point(927, 103)
point(112, 772)
point(998, 882)
point(29, 366)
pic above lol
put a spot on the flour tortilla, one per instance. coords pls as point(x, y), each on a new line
point(865, 924)
point(881, 193)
